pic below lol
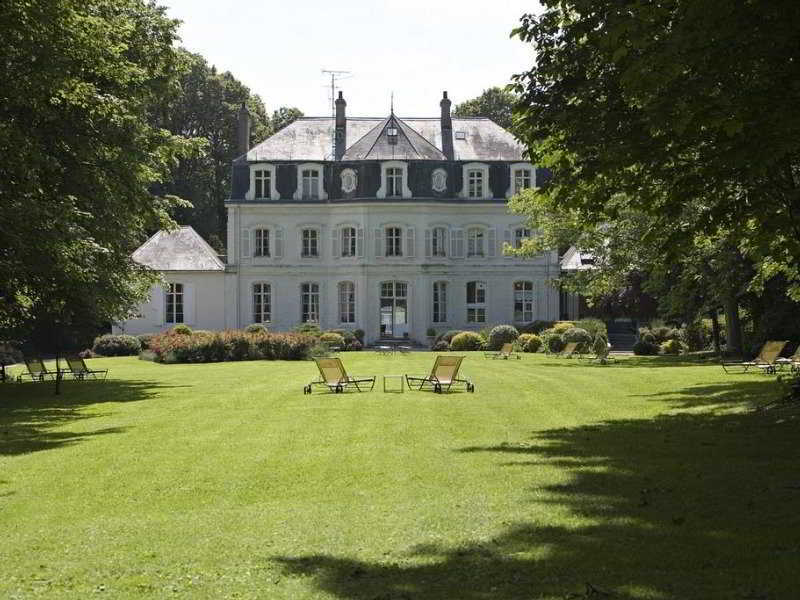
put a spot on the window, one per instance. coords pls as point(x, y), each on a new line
point(476, 242)
point(174, 301)
point(263, 181)
point(522, 180)
point(262, 303)
point(310, 184)
point(261, 244)
point(349, 243)
point(523, 301)
point(440, 302)
point(475, 177)
point(309, 303)
point(394, 241)
point(347, 302)
point(521, 234)
point(394, 182)
point(310, 243)
point(439, 241)
point(476, 302)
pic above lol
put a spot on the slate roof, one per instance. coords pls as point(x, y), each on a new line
point(410, 144)
point(180, 250)
point(576, 260)
point(310, 139)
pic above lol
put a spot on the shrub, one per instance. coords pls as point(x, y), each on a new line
point(229, 345)
point(600, 347)
point(359, 333)
point(593, 326)
point(575, 334)
point(697, 335)
point(447, 336)
point(642, 348)
point(254, 328)
point(553, 342)
point(116, 345)
point(182, 329)
point(647, 337)
point(536, 326)
point(347, 334)
point(308, 329)
point(10, 354)
point(561, 327)
point(144, 340)
point(502, 334)
point(466, 340)
point(332, 339)
point(441, 346)
point(86, 353)
point(148, 355)
point(671, 347)
point(532, 343)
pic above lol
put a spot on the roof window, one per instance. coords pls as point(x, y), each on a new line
point(461, 135)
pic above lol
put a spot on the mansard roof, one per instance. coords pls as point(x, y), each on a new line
point(310, 139)
point(180, 250)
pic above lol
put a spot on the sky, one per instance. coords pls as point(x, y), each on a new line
point(414, 49)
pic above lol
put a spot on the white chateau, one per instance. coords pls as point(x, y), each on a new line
point(389, 225)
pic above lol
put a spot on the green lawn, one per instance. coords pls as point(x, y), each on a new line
point(651, 478)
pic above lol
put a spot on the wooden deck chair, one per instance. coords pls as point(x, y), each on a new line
point(444, 374)
point(507, 351)
point(766, 359)
point(36, 370)
point(333, 376)
point(569, 350)
point(79, 370)
point(793, 361)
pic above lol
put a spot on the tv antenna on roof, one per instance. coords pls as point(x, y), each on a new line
point(335, 76)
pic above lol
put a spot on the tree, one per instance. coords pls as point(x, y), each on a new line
point(672, 103)
point(284, 116)
point(81, 81)
point(494, 103)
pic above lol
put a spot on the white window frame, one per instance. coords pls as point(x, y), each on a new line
point(312, 290)
point(484, 169)
point(265, 315)
point(172, 291)
point(398, 246)
point(526, 300)
point(476, 308)
point(393, 164)
point(302, 241)
point(258, 252)
point(346, 292)
point(321, 195)
point(512, 191)
point(479, 233)
point(348, 241)
point(439, 302)
point(444, 251)
point(273, 191)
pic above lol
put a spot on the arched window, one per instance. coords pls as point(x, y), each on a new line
point(262, 302)
point(439, 301)
point(476, 302)
point(347, 302)
point(523, 301)
point(309, 303)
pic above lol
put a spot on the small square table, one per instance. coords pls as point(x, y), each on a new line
point(400, 378)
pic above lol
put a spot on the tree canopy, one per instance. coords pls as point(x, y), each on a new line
point(686, 109)
point(495, 103)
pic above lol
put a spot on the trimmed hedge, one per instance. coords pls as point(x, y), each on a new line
point(255, 328)
point(182, 329)
point(553, 342)
point(502, 334)
point(643, 348)
point(465, 341)
point(561, 327)
point(530, 342)
point(117, 345)
point(581, 336)
point(221, 346)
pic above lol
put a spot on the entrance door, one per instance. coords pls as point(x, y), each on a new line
point(394, 309)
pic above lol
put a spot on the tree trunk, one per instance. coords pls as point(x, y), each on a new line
point(715, 331)
point(733, 333)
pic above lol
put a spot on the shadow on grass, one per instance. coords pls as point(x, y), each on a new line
point(32, 417)
point(636, 361)
point(679, 507)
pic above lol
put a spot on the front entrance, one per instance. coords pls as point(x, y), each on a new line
point(394, 309)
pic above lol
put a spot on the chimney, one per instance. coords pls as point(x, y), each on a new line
point(341, 128)
point(447, 128)
point(243, 133)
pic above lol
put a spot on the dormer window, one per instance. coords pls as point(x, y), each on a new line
point(391, 134)
point(476, 181)
point(522, 178)
point(394, 183)
point(309, 182)
point(394, 180)
point(262, 182)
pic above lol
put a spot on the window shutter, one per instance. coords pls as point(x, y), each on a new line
point(507, 235)
point(246, 233)
point(336, 235)
point(188, 303)
point(378, 242)
point(428, 251)
point(411, 242)
point(360, 242)
point(279, 242)
point(491, 238)
point(457, 243)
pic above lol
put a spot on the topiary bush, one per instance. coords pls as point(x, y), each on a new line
point(671, 346)
point(643, 348)
point(562, 326)
point(502, 334)
point(332, 339)
point(532, 343)
point(466, 341)
point(347, 334)
point(595, 327)
point(441, 346)
point(116, 345)
point(552, 341)
point(255, 328)
point(581, 336)
point(447, 336)
point(182, 329)
point(600, 347)
point(311, 329)
point(647, 336)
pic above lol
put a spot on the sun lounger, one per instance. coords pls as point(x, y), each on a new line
point(765, 361)
point(443, 376)
point(79, 370)
point(332, 375)
point(36, 370)
point(506, 352)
